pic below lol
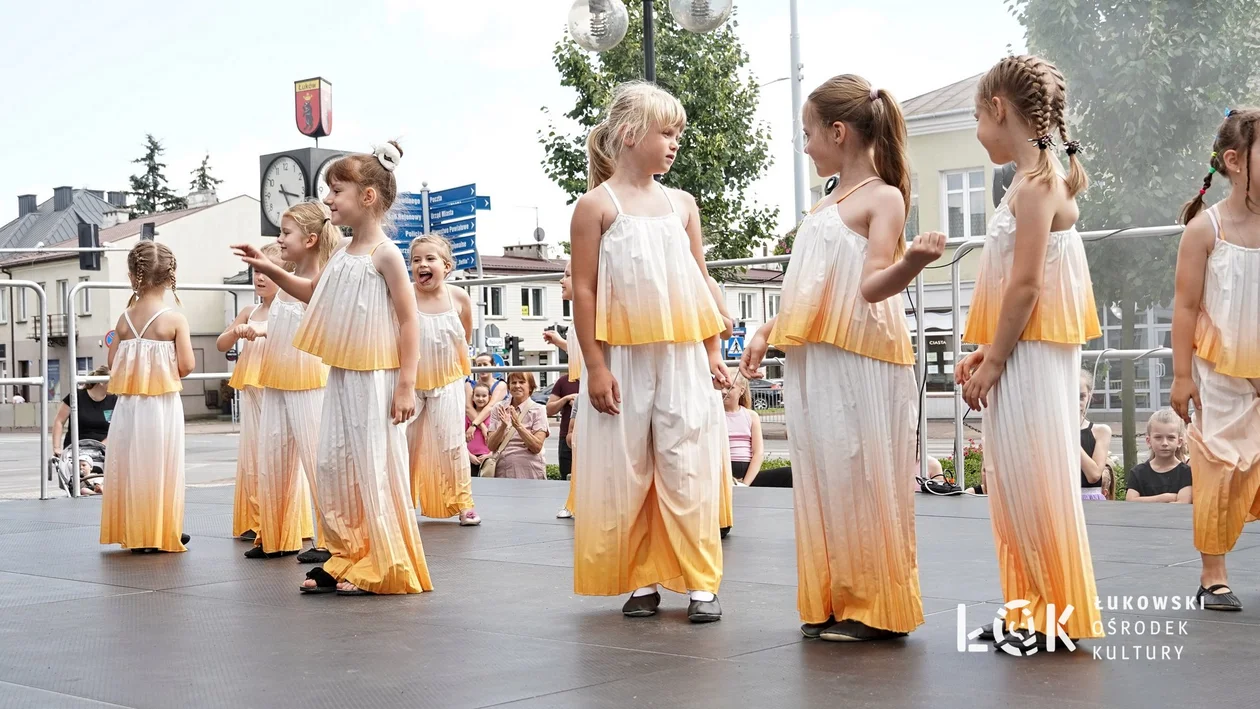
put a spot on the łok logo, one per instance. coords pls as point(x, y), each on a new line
point(1016, 640)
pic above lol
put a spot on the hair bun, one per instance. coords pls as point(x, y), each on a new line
point(388, 154)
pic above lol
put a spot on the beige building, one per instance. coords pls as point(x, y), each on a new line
point(199, 237)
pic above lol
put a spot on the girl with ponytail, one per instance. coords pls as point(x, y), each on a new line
point(650, 425)
point(842, 323)
point(1032, 311)
point(1216, 351)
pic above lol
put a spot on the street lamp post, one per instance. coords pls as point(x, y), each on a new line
point(600, 25)
point(798, 147)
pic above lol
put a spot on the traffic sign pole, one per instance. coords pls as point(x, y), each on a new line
point(424, 204)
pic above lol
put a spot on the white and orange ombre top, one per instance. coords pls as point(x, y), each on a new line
point(351, 323)
point(575, 355)
point(649, 287)
point(1065, 312)
point(1228, 330)
point(144, 367)
point(822, 294)
point(249, 362)
point(284, 366)
point(443, 349)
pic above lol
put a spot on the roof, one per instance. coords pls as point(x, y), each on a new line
point(758, 276)
point(117, 232)
point(957, 96)
point(52, 227)
point(518, 264)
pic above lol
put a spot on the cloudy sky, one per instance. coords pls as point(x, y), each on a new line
point(460, 84)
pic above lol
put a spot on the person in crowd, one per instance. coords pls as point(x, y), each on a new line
point(498, 392)
point(524, 424)
point(1096, 474)
point(1165, 475)
point(96, 408)
point(478, 450)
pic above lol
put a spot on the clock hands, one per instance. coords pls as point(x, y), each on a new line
point(287, 194)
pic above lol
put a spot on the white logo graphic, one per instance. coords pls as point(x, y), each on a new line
point(1015, 640)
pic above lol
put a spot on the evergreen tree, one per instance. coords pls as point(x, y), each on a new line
point(201, 177)
point(150, 189)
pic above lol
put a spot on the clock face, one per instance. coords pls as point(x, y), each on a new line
point(283, 185)
point(321, 183)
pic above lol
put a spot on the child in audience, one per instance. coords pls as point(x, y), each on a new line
point(1165, 476)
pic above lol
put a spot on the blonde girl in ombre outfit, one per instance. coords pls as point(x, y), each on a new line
point(651, 447)
point(842, 324)
point(142, 507)
point(245, 380)
point(441, 481)
point(293, 398)
point(1216, 352)
point(362, 322)
point(1032, 311)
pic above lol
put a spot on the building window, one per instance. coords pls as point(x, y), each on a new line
point(531, 302)
point(493, 298)
point(4, 306)
point(85, 298)
point(566, 307)
point(21, 305)
point(912, 219)
point(63, 296)
point(772, 306)
point(747, 304)
point(83, 365)
point(963, 200)
point(815, 194)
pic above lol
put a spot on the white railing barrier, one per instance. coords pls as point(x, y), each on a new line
point(71, 356)
point(41, 380)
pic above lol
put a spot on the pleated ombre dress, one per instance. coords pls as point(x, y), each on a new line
point(1225, 436)
point(363, 483)
point(441, 480)
point(293, 403)
point(143, 502)
point(1032, 443)
point(852, 407)
point(650, 493)
point(245, 380)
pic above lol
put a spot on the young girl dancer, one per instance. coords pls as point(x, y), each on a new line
point(1216, 351)
point(843, 325)
point(1033, 309)
point(293, 402)
point(245, 380)
point(362, 322)
point(652, 450)
point(441, 482)
point(143, 503)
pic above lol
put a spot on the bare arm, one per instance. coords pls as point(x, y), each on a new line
point(119, 329)
point(1092, 467)
point(389, 263)
point(533, 439)
point(58, 428)
point(728, 323)
point(464, 303)
point(585, 232)
point(556, 403)
point(229, 336)
point(185, 358)
point(1132, 495)
point(883, 276)
point(301, 288)
point(1192, 255)
point(712, 345)
point(1184, 495)
point(758, 450)
point(496, 397)
point(495, 439)
point(1033, 215)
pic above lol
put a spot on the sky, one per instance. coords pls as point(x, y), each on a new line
point(460, 84)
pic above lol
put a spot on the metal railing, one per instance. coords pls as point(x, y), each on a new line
point(76, 378)
point(41, 381)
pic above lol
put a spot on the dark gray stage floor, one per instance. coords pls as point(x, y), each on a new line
point(86, 626)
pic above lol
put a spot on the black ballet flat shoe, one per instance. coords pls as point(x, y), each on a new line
point(145, 550)
point(854, 631)
point(249, 536)
point(813, 631)
point(258, 553)
point(184, 539)
point(1211, 599)
point(641, 606)
point(725, 531)
point(314, 555)
point(986, 633)
point(704, 611)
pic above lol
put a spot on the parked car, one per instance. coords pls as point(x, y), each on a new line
point(540, 396)
point(766, 394)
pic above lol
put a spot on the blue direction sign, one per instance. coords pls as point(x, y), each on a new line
point(465, 260)
point(409, 199)
point(454, 194)
point(451, 212)
point(464, 242)
point(468, 226)
point(467, 242)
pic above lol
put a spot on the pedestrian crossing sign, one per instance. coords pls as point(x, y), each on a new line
point(734, 347)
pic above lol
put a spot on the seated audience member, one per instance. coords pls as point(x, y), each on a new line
point(1165, 476)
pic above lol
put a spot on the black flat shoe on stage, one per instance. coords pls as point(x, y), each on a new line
point(704, 611)
point(1211, 598)
point(813, 631)
point(853, 631)
point(641, 606)
point(314, 556)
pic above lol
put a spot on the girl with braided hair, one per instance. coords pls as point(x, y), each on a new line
point(1032, 311)
point(142, 507)
point(1216, 351)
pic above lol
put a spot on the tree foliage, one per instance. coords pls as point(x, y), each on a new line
point(1148, 82)
point(201, 177)
point(150, 188)
point(722, 152)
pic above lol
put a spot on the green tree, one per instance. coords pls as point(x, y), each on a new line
point(149, 187)
point(722, 152)
point(1148, 82)
point(201, 177)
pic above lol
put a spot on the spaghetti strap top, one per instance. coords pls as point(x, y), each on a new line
point(351, 323)
point(649, 288)
point(144, 367)
point(1065, 311)
point(822, 294)
point(249, 362)
point(284, 366)
point(1227, 332)
point(443, 348)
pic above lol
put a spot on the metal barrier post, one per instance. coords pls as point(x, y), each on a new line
point(71, 354)
point(921, 370)
point(42, 380)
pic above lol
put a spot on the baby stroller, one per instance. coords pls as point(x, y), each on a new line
point(62, 468)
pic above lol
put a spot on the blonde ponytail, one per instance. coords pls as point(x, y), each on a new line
point(599, 159)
